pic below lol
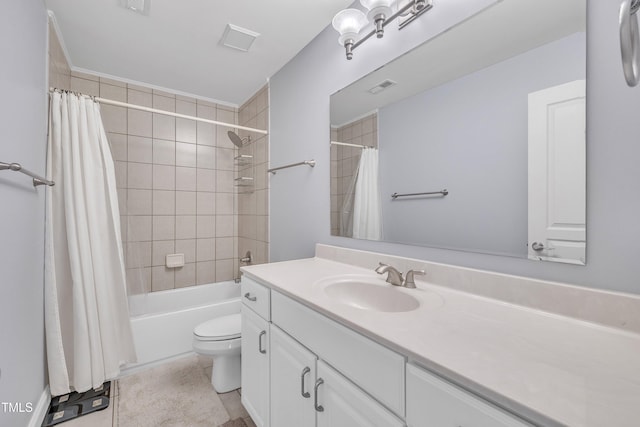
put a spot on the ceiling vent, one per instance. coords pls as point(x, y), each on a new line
point(140, 6)
point(382, 86)
point(238, 37)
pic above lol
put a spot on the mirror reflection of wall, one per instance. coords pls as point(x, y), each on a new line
point(468, 134)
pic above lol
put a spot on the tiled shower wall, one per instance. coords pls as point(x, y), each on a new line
point(345, 160)
point(253, 197)
point(175, 180)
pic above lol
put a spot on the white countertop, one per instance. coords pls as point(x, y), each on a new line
point(551, 369)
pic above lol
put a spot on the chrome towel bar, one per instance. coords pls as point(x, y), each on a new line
point(16, 167)
point(442, 193)
point(630, 41)
point(311, 163)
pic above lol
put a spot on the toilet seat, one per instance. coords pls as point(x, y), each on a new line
point(219, 329)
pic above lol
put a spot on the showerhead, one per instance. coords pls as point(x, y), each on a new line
point(237, 141)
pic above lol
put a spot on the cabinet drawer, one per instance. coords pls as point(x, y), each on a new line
point(433, 401)
point(256, 296)
point(376, 369)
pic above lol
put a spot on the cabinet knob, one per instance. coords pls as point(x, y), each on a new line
point(319, 408)
point(305, 371)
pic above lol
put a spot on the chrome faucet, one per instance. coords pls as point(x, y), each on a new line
point(394, 276)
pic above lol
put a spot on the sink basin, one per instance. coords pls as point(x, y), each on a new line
point(370, 295)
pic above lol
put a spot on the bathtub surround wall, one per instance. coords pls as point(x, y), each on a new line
point(23, 84)
point(59, 69)
point(300, 106)
point(253, 194)
point(175, 184)
point(345, 160)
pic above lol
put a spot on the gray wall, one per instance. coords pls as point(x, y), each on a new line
point(23, 34)
point(470, 137)
point(300, 130)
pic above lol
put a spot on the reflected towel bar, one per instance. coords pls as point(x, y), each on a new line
point(311, 163)
point(37, 179)
point(442, 193)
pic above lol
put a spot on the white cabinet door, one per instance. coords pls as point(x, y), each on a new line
point(293, 373)
point(255, 366)
point(557, 173)
point(339, 403)
point(432, 401)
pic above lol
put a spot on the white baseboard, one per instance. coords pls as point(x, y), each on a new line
point(40, 411)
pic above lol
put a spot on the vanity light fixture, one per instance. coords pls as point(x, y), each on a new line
point(350, 22)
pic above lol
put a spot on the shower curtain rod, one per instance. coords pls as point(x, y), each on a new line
point(349, 145)
point(170, 113)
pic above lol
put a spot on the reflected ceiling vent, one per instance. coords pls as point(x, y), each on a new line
point(238, 37)
point(382, 86)
point(139, 6)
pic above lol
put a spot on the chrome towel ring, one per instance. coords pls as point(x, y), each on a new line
point(630, 41)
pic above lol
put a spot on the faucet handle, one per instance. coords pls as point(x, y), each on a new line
point(409, 281)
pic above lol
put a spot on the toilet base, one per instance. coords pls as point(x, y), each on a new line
point(225, 375)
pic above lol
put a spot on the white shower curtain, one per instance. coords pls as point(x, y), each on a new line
point(367, 211)
point(88, 331)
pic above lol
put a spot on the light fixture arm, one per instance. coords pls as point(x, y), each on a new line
point(414, 7)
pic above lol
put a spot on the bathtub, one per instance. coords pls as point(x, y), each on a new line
point(162, 322)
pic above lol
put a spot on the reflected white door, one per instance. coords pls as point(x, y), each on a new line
point(557, 173)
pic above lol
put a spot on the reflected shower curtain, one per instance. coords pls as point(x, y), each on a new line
point(88, 331)
point(367, 211)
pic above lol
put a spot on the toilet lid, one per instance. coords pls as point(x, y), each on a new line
point(220, 328)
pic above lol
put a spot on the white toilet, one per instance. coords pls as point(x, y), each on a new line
point(220, 339)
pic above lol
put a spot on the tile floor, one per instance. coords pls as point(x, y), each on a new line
point(175, 394)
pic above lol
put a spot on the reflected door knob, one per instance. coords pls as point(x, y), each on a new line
point(537, 246)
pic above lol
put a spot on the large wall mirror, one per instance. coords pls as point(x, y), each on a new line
point(488, 118)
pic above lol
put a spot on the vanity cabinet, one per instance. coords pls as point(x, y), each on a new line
point(307, 392)
point(255, 350)
point(432, 400)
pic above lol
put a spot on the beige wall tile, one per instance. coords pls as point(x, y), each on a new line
point(114, 118)
point(113, 82)
point(206, 203)
point(118, 144)
point(205, 272)
point(186, 130)
point(186, 276)
point(115, 93)
point(185, 179)
point(205, 250)
point(224, 248)
point(225, 159)
point(121, 174)
point(159, 251)
point(164, 227)
point(139, 123)
point(138, 175)
point(224, 270)
point(86, 87)
point(139, 96)
point(224, 204)
point(205, 134)
point(225, 181)
point(188, 248)
point(206, 157)
point(138, 228)
point(140, 149)
point(186, 227)
point(164, 127)
point(164, 152)
point(166, 102)
point(224, 225)
point(164, 202)
point(205, 110)
point(186, 154)
point(138, 254)
point(164, 177)
point(162, 279)
point(85, 76)
point(186, 203)
point(139, 88)
point(122, 201)
point(139, 202)
point(206, 180)
point(206, 226)
point(138, 280)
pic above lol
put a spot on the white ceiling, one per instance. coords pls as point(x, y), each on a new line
point(501, 31)
point(177, 46)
